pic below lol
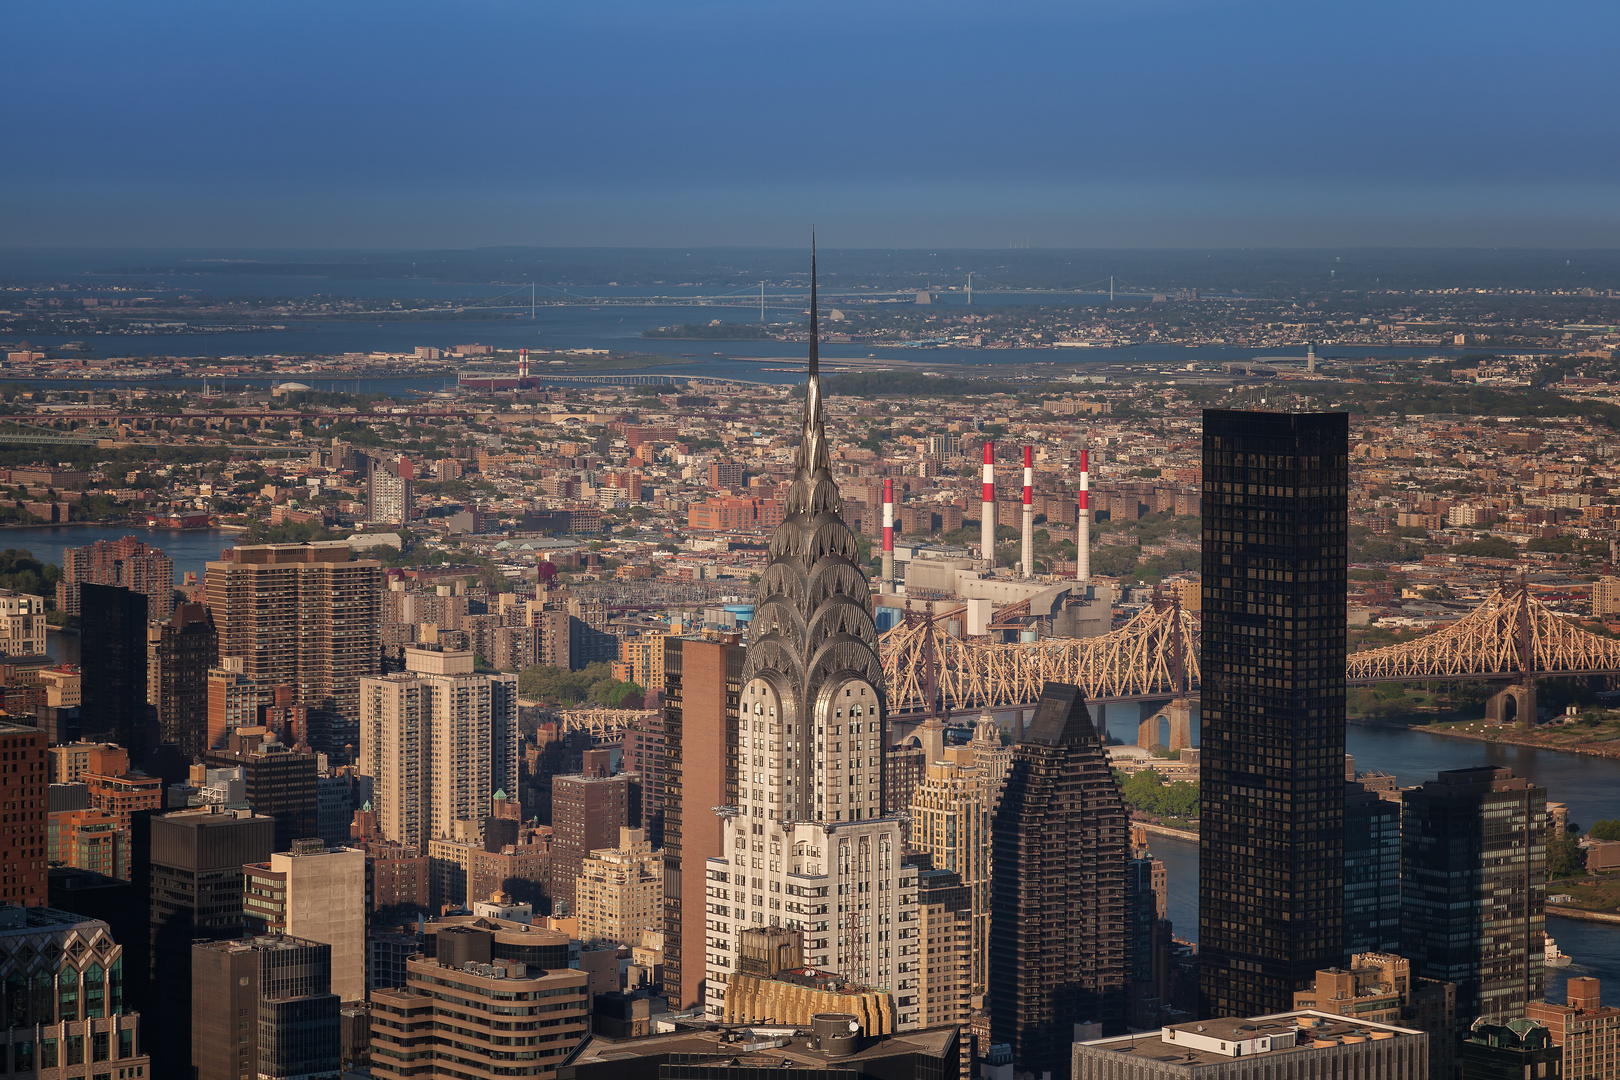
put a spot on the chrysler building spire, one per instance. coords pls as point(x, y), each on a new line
point(812, 638)
point(810, 846)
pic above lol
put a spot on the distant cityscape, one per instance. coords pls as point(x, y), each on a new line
point(559, 717)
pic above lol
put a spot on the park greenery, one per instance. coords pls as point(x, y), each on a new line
point(1147, 793)
point(593, 684)
point(20, 571)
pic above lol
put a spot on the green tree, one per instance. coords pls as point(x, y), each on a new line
point(1144, 791)
point(1607, 829)
point(1565, 858)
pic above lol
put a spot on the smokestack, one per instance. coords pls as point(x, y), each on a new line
point(987, 510)
point(887, 584)
point(1082, 528)
point(523, 364)
point(1029, 511)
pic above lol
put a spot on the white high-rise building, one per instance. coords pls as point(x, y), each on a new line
point(808, 846)
point(437, 741)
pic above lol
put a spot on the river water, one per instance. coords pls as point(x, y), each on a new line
point(1590, 785)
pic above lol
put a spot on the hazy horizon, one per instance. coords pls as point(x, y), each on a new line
point(1174, 124)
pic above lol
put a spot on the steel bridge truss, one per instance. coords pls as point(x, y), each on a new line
point(1511, 634)
point(1154, 656)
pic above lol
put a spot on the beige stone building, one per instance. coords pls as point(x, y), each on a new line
point(945, 924)
point(22, 624)
point(469, 987)
point(620, 891)
point(438, 741)
point(319, 894)
point(950, 822)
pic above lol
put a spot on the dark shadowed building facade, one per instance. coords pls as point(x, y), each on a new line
point(1271, 829)
point(1059, 923)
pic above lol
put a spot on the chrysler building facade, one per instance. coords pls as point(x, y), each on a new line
point(807, 846)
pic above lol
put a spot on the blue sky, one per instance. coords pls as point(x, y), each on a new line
point(1155, 123)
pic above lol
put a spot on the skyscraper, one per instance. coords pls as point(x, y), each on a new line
point(702, 684)
point(1059, 924)
point(1271, 829)
point(1372, 871)
point(300, 615)
point(282, 986)
point(807, 846)
point(187, 646)
point(113, 648)
point(128, 563)
point(950, 823)
point(438, 740)
point(587, 812)
point(1474, 888)
point(318, 893)
point(187, 870)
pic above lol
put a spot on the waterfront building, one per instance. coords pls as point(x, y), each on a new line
point(1059, 925)
point(1474, 888)
point(1586, 1030)
point(1271, 821)
point(22, 624)
point(301, 615)
point(128, 563)
point(807, 845)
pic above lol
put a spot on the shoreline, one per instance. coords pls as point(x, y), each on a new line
point(1507, 736)
point(1565, 911)
point(1184, 835)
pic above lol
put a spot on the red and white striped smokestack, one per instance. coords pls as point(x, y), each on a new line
point(1029, 511)
point(887, 584)
point(523, 363)
point(987, 509)
point(1082, 530)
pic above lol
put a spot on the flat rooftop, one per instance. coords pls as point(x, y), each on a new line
point(1211, 1042)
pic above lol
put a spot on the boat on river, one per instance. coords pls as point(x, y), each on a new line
point(1554, 956)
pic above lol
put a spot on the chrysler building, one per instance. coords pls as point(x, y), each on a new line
point(807, 846)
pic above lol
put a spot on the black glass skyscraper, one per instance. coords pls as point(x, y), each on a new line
point(1271, 829)
point(1059, 925)
point(113, 658)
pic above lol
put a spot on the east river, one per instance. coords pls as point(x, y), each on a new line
point(1590, 785)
